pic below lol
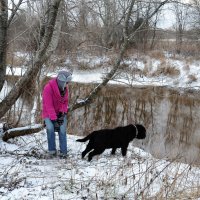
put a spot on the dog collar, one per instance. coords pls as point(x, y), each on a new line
point(136, 130)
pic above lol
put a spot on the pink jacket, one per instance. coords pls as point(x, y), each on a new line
point(52, 101)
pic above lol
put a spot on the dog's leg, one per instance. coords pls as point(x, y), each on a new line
point(88, 149)
point(124, 150)
point(113, 151)
point(95, 152)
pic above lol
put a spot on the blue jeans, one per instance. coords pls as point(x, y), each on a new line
point(51, 136)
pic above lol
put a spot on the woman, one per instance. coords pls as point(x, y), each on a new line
point(55, 106)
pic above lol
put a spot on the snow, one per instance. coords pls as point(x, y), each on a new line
point(16, 71)
point(24, 174)
point(136, 65)
point(25, 128)
point(105, 177)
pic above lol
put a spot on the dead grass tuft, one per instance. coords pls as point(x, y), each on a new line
point(167, 70)
point(191, 78)
point(158, 55)
point(83, 65)
point(146, 70)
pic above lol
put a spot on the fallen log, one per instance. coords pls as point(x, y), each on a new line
point(21, 131)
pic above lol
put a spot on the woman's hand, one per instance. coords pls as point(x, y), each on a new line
point(60, 118)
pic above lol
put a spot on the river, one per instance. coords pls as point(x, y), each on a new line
point(171, 117)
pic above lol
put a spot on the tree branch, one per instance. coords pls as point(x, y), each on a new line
point(14, 12)
point(111, 74)
point(43, 53)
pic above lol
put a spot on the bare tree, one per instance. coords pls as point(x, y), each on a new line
point(48, 42)
point(195, 17)
point(181, 13)
point(4, 25)
point(128, 37)
point(154, 26)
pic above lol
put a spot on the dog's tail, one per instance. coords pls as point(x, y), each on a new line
point(84, 139)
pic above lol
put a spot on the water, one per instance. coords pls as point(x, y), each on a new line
point(171, 117)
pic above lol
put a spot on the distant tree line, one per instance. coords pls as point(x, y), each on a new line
point(101, 22)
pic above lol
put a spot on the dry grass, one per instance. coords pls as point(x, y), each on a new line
point(156, 54)
point(87, 65)
point(191, 78)
point(148, 66)
point(166, 69)
point(83, 65)
point(189, 49)
point(146, 70)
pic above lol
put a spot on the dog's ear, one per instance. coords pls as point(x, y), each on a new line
point(141, 131)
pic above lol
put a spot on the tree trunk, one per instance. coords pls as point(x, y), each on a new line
point(3, 39)
point(16, 132)
point(46, 47)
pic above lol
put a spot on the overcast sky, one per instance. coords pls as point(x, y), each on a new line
point(167, 18)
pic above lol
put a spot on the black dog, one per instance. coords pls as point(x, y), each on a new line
point(112, 138)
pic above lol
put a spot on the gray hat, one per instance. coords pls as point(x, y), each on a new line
point(63, 78)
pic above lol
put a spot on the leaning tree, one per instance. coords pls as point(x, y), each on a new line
point(48, 40)
point(49, 34)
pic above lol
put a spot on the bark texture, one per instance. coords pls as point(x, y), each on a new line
point(3, 39)
point(12, 133)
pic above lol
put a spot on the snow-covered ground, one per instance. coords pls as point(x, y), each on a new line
point(142, 70)
point(24, 174)
point(145, 71)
